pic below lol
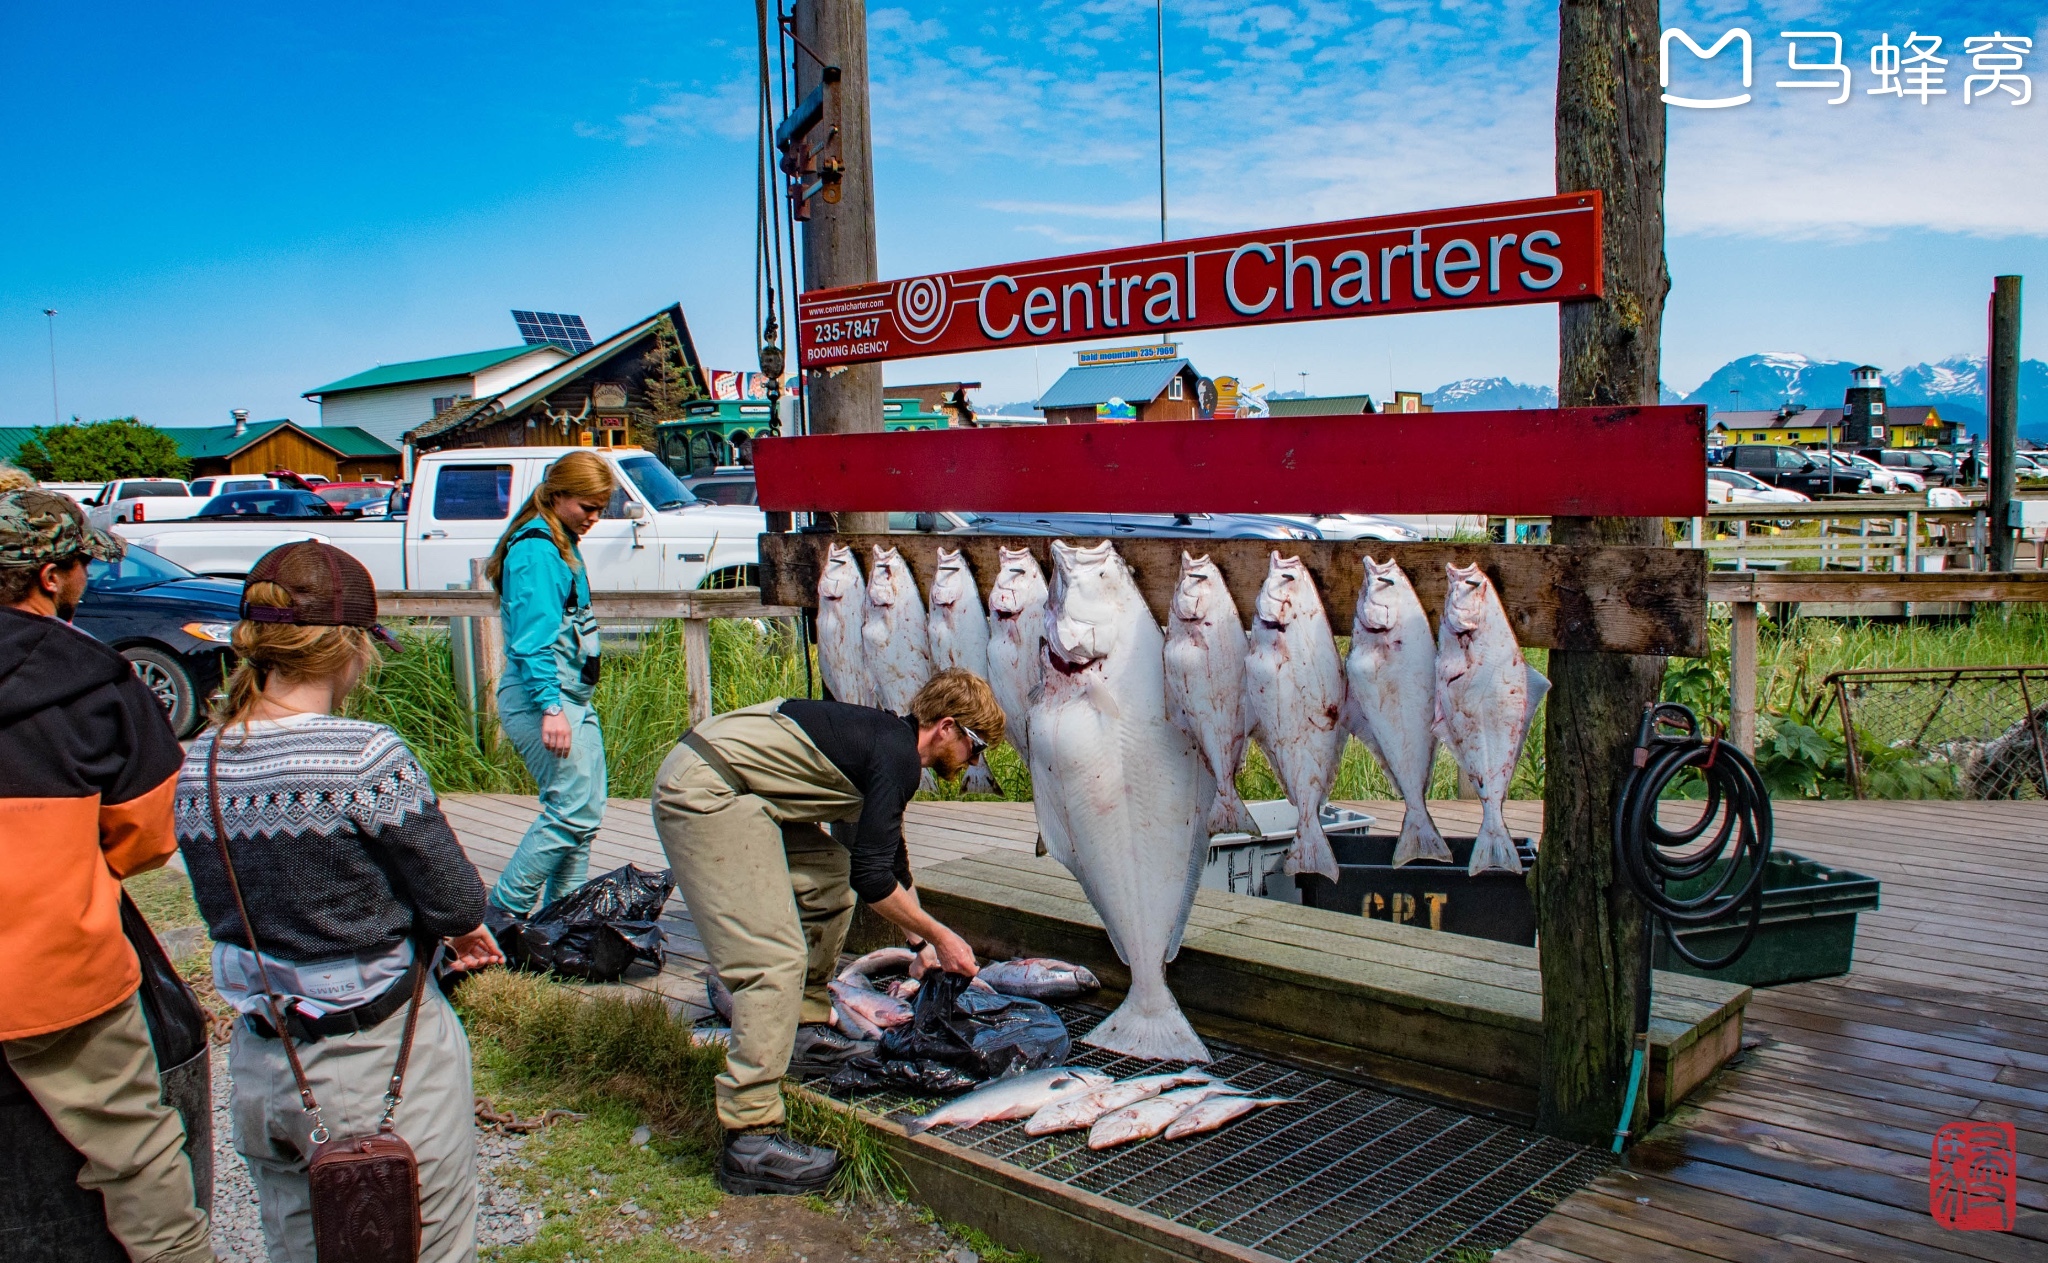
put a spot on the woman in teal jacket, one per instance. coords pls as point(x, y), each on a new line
point(551, 668)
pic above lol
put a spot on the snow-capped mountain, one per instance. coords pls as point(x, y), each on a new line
point(1478, 394)
point(1955, 386)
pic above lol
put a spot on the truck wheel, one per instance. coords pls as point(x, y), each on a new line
point(172, 684)
point(732, 577)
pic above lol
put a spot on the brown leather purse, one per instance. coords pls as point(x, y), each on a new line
point(365, 1190)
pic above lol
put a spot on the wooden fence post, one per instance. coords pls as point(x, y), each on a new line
point(697, 667)
point(1742, 677)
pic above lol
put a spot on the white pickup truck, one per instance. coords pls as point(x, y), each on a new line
point(143, 500)
point(654, 536)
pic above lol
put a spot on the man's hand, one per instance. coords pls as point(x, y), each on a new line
point(555, 735)
point(954, 955)
point(475, 950)
point(941, 947)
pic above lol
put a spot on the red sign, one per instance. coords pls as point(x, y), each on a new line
point(1594, 462)
point(1545, 250)
point(1973, 1176)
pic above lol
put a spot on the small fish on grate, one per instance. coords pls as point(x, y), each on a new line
point(864, 1012)
point(1039, 978)
point(1217, 1111)
point(1151, 1116)
point(1081, 1111)
point(1018, 1097)
point(887, 960)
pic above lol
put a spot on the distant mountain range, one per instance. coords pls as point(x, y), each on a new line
point(1955, 387)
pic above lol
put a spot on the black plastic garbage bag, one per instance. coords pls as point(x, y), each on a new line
point(986, 1034)
point(595, 931)
point(874, 1074)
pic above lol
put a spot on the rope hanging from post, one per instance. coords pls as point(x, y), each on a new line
point(1654, 859)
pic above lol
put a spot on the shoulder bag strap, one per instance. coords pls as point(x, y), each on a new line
point(319, 1134)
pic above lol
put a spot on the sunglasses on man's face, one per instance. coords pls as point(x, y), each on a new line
point(975, 744)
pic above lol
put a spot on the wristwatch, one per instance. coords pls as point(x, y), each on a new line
point(555, 709)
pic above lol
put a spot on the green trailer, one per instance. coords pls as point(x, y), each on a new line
point(714, 432)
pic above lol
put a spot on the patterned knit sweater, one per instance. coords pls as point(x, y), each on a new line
point(337, 839)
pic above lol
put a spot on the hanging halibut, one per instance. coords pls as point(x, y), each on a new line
point(1205, 653)
point(893, 634)
point(1294, 690)
point(1016, 645)
point(1120, 793)
point(1486, 698)
point(958, 632)
point(842, 606)
point(1391, 698)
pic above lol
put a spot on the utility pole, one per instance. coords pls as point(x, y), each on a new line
point(839, 237)
point(50, 318)
point(2002, 417)
point(1610, 136)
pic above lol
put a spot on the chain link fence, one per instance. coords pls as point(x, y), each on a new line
point(1978, 732)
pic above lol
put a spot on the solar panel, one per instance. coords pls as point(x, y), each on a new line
point(539, 328)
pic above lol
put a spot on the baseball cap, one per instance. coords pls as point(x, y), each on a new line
point(328, 587)
point(42, 526)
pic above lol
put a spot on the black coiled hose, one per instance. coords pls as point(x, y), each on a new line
point(1737, 810)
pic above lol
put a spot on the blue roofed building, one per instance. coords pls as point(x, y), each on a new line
point(1140, 383)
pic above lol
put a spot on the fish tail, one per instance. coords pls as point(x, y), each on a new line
point(1419, 837)
point(1311, 850)
point(1228, 813)
point(1493, 849)
point(1149, 1024)
point(915, 1126)
point(978, 779)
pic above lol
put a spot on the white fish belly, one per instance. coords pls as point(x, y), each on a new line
point(1392, 692)
point(1205, 696)
point(840, 652)
point(1014, 664)
point(898, 661)
point(1294, 685)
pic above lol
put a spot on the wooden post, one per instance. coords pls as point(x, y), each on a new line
point(839, 238)
point(489, 650)
point(1742, 677)
point(1610, 136)
point(2003, 420)
point(697, 667)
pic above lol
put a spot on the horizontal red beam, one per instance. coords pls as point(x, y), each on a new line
point(1619, 462)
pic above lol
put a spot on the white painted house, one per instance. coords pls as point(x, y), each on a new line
point(391, 399)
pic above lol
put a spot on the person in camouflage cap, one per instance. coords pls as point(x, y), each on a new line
point(88, 783)
point(45, 542)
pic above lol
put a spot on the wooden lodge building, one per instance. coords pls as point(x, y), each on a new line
point(1142, 383)
point(339, 453)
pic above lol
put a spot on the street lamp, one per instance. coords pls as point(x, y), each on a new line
point(50, 317)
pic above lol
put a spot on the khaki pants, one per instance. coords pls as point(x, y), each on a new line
point(766, 887)
point(97, 1082)
point(348, 1075)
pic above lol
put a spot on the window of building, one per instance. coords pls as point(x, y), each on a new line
point(444, 402)
point(473, 493)
point(1174, 389)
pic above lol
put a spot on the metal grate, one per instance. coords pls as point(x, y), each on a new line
point(1946, 732)
point(1349, 1174)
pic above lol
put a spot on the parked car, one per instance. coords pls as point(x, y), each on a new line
point(173, 626)
point(1107, 525)
point(1744, 489)
point(283, 502)
point(1357, 526)
point(82, 492)
point(2026, 468)
point(222, 484)
point(727, 484)
point(1935, 469)
point(1792, 468)
point(143, 500)
point(654, 536)
point(1889, 481)
point(358, 496)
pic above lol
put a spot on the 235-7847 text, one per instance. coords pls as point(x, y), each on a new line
point(844, 330)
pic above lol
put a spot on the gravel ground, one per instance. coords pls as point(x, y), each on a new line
point(504, 1216)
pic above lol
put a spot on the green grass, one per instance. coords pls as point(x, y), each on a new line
point(605, 1049)
point(164, 896)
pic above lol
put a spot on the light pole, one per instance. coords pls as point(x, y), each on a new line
point(50, 318)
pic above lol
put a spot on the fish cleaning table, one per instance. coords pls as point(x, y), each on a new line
point(1447, 1016)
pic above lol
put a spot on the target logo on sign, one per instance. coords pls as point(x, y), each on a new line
point(922, 307)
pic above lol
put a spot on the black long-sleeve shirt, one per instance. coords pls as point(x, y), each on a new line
point(338, 841)
point(877, 751)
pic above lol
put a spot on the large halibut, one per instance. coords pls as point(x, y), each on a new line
point(1016, 643)
point(1486, 699)
point(1391, 698)
point(1294, 690)
point(1120, 793)
point(1205, 653)
point(842, 607)
point(893, 633)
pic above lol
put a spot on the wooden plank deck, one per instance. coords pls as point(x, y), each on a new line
point(1815, 1146)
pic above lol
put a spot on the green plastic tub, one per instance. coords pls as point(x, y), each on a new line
point(1808, 930)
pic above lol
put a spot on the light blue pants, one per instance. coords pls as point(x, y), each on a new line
point(554, 856)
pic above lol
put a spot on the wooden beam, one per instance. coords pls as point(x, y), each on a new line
point(697, 667)
point(706, 603)
point(1857, 586)
point(1742, 678)
point(1620, 600)
point(1638, 461)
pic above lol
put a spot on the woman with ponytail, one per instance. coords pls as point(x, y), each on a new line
point(551, 666)
point(330, 883)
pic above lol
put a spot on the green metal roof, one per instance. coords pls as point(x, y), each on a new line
point(11, 439)
point(424, 370)
point(217, 442)
point(1320, 406)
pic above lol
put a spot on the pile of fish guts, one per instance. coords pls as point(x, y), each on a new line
point(1135, 735)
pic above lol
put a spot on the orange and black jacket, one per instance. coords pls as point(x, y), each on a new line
point(88, 770)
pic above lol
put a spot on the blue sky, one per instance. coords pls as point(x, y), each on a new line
point(230, 204)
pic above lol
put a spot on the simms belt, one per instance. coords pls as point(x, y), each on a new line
point(709, 753)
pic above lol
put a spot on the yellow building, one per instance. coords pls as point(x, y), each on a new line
point(1915, 425)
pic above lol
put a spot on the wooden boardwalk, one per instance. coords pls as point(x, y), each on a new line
point(1815, 1145)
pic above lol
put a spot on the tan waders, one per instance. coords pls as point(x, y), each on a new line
point(767, 888)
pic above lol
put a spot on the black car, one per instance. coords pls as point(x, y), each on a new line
point(1792, 468)
point(173, 625)
point(284, 502)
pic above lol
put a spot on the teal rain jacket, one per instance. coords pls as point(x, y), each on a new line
point(551, 650)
